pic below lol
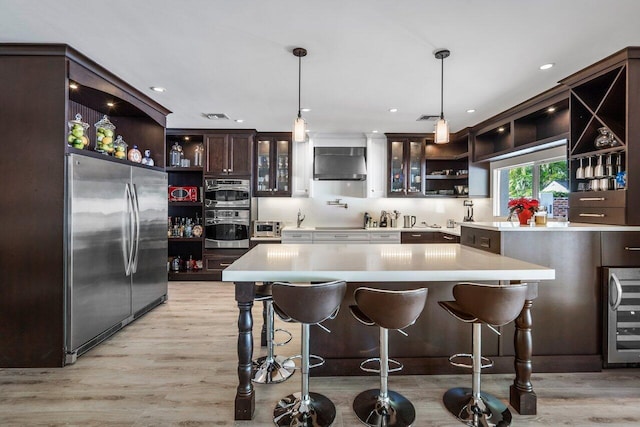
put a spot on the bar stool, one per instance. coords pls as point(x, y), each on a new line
point(494, 306)
point(308, 304)
point(271, 369)
point(388, 310)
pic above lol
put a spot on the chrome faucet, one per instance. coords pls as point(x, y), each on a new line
point(300, 218)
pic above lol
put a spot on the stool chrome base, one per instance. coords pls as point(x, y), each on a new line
point(319, 412)
point(399, 412)
point(493, 412)
point(279, 369)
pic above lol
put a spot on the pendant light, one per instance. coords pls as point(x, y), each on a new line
point(299, 125)
point(442, 127)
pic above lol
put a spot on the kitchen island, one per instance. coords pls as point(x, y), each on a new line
point(384, 265)
point(569, 313)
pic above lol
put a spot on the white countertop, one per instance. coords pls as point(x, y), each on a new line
point(455, 231)
point(550, 226)
point(379, 263)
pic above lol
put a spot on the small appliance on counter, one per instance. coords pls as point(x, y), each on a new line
point(267, 228)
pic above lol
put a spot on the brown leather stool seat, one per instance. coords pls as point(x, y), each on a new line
point(309, 304)
point(271, 368)
point(494, 306)
point(388, 310)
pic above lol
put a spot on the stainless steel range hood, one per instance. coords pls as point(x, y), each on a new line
point(339, 164)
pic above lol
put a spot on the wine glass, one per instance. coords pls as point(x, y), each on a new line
point(588, 170)
point(580, 170)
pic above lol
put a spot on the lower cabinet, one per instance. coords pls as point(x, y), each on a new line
point(428, 237)
point(217, 260)
point(487, 240)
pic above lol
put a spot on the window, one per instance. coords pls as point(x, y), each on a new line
point(542, 175)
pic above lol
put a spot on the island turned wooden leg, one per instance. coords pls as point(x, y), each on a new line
point(521, 395)
point(263, 332)
point(245, 396)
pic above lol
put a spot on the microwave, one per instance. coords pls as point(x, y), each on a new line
point(267, 228)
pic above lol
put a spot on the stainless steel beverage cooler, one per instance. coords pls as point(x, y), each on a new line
point(621, 316)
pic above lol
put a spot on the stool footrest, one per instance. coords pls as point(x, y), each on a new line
point(399, 366)
point(311, 356)
point(485, 361)
point(287, 341)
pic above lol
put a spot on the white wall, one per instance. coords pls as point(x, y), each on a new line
point(318, 213)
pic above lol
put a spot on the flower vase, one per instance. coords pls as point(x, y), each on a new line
point(524, 216)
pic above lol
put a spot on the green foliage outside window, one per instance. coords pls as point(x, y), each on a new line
point(521, 178)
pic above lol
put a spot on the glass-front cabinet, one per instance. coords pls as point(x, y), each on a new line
point(406, 166)
point(272, 177)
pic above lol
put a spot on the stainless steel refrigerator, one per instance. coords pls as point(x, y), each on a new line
point(116, 248)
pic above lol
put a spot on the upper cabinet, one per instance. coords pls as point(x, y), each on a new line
point(604, 150)
point(229, 153)
point(272, 163)
point(447, 167)
point(538, 123)
point(405, 160)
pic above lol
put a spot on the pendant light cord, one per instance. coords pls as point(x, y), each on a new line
point(442, 88)
point(299, 84)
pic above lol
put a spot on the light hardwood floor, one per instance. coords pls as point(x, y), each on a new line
point(176, 366)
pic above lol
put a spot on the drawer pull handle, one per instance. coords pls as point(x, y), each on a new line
point(340, 235)
point(631, 248)
point(416, 235)
point(447, 237)
point(225, 264)
point(592, 199)
point(592, 215)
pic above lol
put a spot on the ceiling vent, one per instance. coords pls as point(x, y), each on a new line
point(427, 117)
point(216, 116)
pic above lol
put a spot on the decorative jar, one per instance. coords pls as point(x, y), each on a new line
point(176, 155)
point(104, 136)
point(77, 137)
point(120, 148)
point(135, 155)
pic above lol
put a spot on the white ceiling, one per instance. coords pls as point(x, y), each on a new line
point(365, 56)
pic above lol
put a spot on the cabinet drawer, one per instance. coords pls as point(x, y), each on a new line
point(597, 215)
point(296, 237)
point(609, 199)
point(417, 236)
point(621, 248)
point(393, 237)
point(486, 240)
point(328, 237)
point(445, 238)
point(218, 263)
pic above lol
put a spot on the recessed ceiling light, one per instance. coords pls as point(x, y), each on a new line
point(393, 110)
point(307, 130)
point(186, 138)
point(157, 89)
point(500, 129)
point(239, 120)
point(551, 109)
point(306, 110)
point(374, 131)
point(73, 85)
point(471, 110)
point(547, 66)
point(110, 104)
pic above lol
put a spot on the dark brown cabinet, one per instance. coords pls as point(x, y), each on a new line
point(229, 154)
point(405, 165)
point(539, 123)
point(44, 86)
point(604, 99)
point(218, 259)
point(272, 165)
point(428, 237)
point(447, 167)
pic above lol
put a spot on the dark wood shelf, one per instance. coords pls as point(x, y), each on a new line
point(181, 169)
point(452, 177)
point(97, 155)
point(185, 203)
point(185, 239)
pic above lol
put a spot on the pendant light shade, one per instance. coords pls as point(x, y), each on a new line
point(442, 127)
point(299, 125)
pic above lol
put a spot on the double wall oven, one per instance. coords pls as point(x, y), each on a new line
point(227, 214)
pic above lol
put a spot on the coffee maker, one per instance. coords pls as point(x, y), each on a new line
point(469, 211)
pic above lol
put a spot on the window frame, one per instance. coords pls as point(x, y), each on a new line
point(535, 159)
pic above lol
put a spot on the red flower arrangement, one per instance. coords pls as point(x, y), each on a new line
point(524, 207)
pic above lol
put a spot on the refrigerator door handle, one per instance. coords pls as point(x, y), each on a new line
point(615, 303)
point(136, 229)
point(128, 229)
point(125, 231)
